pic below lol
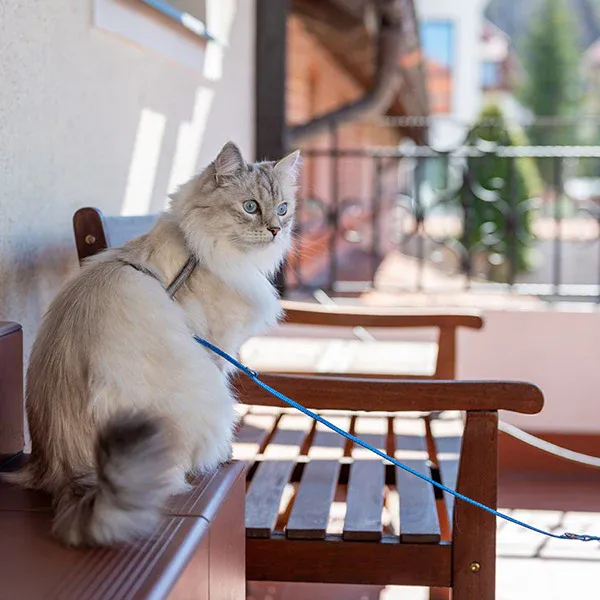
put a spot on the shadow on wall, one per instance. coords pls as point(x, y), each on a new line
point(167, 152)
point(92, 119)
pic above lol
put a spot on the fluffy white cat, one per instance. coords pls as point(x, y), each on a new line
point(122, 403)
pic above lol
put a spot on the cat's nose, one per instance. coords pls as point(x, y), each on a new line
point(274, 230)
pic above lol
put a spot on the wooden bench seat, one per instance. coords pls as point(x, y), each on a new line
point(321, 467)
point(321, 509)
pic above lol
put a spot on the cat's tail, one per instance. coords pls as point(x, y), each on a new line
point(122, 500)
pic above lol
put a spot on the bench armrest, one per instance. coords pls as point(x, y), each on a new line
point(11, 388)
point(344, 393)
point(304, 313)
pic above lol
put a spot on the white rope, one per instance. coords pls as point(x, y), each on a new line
point(360, 332)
point(531, 440)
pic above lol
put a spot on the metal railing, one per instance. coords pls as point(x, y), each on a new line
point(413, 218)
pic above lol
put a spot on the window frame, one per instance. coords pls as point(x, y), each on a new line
point(158, 26)
point(185, 19)
point(450, 26)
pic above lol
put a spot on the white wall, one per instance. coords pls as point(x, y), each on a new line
point(91, 118)
point(557, 350)
point(467, 16)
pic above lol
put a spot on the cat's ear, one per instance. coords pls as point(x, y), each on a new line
point(228, 162)
point(289, 166)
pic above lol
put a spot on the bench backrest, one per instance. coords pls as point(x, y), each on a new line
point(94, 232)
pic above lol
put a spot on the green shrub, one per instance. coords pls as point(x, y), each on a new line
point(491, 206)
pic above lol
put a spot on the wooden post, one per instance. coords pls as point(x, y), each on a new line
point(271, 54)
point(474, 537)
point(446, 360)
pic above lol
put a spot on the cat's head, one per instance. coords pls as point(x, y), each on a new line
point(236, 209)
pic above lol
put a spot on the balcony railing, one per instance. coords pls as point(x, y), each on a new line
point(465, 218)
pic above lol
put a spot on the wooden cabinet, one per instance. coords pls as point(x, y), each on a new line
point(11, 388)
point(197, 552)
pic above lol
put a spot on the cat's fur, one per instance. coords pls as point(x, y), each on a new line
point(121, 401)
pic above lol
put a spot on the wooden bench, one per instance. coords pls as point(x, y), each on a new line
point(196, 552)
point(319, 509)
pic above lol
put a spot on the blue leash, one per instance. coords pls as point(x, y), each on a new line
point(254, 376)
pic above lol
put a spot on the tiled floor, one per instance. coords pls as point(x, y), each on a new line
point(322, 355)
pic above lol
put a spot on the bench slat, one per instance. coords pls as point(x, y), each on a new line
point(254, 430)
point(364, 503)
point(289, 437)
point(264, 496)
point(410, 439)
point(310, 513)
point(372, 430)
point(449, 477)
point(418, 515)
point(419, 521)
point(273, 474)
point(328, 444)
point(365, 522)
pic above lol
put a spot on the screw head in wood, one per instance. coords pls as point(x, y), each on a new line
point(475, 567)
point(90, 239)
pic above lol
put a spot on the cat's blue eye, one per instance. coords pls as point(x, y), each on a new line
point(250, 206)
point(282, 209)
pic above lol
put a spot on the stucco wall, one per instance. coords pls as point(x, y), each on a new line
point(90, 118)
point(557, 350)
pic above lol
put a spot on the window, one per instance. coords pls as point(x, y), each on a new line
point(196, 8)
point(173, 28)
point(189, 13)
point(437, 41)
point(490, 75)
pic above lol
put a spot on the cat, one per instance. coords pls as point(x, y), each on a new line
point(122, 403)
